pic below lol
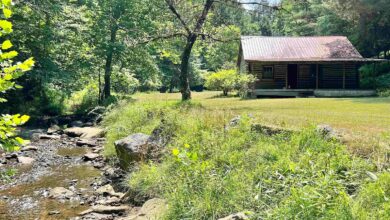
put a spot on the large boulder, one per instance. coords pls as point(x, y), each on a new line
point(85, 132)
point(153, 209)
point(132, 149)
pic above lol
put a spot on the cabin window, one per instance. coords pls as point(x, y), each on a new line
point(268, 72)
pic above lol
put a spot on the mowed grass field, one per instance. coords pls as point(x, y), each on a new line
point(364, 122)
point(358, 115)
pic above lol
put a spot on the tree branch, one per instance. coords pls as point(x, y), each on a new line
point(178, 16)
point(133, 43)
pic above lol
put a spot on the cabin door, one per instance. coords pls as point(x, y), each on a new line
point(292, 76)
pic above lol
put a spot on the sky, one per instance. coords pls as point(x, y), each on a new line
point(272, 2)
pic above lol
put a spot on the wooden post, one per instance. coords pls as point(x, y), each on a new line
point(317, 76)
point(343, 75)
point(287, 77)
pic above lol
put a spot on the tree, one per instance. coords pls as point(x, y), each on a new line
point(9, 72)
point(228, 80)
point(193, 27)
point(117, 24)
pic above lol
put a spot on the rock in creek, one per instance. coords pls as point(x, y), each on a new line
point(90, 156)
point(106, 209)
point(49, 137)
point(53, 129)
point(108, 190)
point(29, 148)
point(85, 132)
point(88, 143)
point(25, 160)
point(60, 193)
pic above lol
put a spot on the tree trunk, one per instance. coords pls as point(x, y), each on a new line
point(185, 58)
point(225, 92)
point(184, 69)
point(109, 58)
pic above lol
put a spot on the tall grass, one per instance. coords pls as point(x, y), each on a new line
point(211, 170)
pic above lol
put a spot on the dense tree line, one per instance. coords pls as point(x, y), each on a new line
point(121, 46)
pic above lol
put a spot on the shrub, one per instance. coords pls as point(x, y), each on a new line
point(228, 80)
point(375, 76)
point(123, 81)
point(82, 101)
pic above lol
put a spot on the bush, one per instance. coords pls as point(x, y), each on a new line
point(82, 101)
point(375, 76)
point(210, 172)
point(123, 81)
point(228, 80)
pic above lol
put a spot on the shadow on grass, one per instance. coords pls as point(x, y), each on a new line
point(370, 100)
point(221, 96)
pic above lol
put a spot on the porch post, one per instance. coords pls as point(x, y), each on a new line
point(343, 75)
point(287, 77)
point(317, 75)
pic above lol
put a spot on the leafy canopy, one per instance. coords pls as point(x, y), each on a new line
point(10, 71)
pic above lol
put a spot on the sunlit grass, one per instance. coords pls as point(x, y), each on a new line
point(356, 115)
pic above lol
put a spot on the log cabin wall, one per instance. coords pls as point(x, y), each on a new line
point(331, 76)
point(278, 81)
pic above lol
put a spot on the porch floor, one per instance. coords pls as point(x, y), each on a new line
point(311, 92)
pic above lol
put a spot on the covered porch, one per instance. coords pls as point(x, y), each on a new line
point(311, 93)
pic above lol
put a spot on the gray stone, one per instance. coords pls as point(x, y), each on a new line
point(83, 142)
point(237, 216)
point(60, 193)
point(55, 212)
point(153, 209)
point(25, 160)
point(29, 148)
point(49, 137)
point(85, 133)
point(53, 129)
point(76, 124)
point(107, 209)
point(108, 190)
point(327, 132)
point(131, 149)
point(235, 121)
point(91, 156)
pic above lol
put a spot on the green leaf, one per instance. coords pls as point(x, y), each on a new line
point(7, 12)
point(6, 45)
point(6, 26)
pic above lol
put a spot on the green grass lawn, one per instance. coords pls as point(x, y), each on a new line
point(368, 116)
point(364, 122)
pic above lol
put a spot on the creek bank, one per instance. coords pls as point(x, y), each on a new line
point(60, 176)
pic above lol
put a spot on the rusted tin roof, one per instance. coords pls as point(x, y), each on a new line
point(279, 49)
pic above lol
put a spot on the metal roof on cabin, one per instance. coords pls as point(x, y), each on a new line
point(330, 48)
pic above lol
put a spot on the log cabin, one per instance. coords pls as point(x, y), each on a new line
point(302, 66)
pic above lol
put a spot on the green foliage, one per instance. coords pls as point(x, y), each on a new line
point(373, 199)
point(5, 175)
point(209, 172)
point(10, 71)
point(376, 76)
point(84, 100)
point(228, 80)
